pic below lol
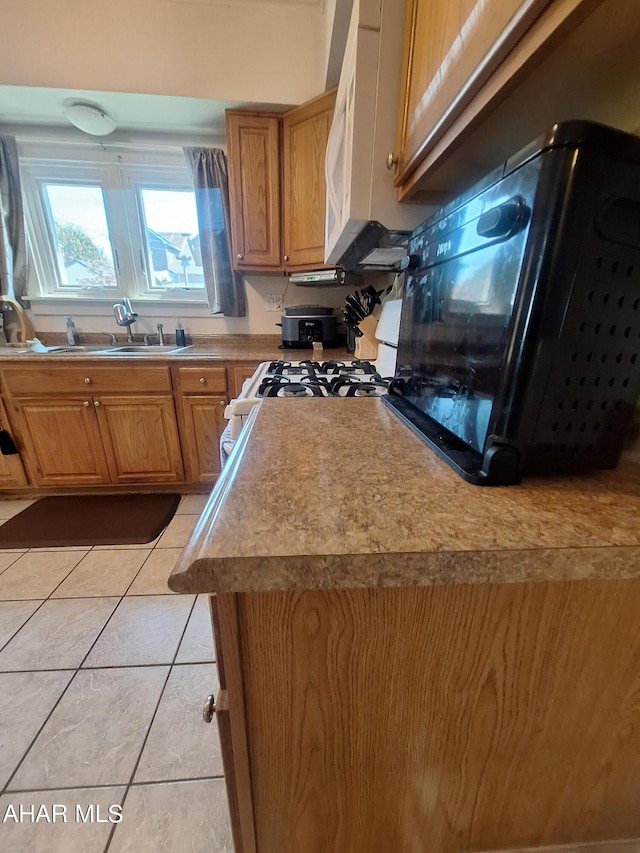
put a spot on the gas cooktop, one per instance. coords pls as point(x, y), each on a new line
point(321, 379)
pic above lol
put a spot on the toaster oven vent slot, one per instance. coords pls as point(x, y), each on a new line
point(587, 405)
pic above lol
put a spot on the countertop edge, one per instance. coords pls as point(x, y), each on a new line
point(353, 571)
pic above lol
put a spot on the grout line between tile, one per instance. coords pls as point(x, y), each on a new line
point(146, 737)
point(37, 734)
point(92, 668)
point(2, 647)
point(112, 785)
point(10, 564)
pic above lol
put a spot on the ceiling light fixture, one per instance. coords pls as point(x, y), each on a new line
point(89, 118)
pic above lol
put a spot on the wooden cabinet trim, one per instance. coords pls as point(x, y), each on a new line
point(12, 474)
point(48, 379)
point(232, 725)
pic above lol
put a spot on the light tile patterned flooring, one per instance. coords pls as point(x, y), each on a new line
point(102, 676)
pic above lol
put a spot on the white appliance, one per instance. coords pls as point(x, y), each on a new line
point(327, 378)
point(363, 131)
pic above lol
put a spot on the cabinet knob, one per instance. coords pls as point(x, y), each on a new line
point(223, 402)
point(86, 403)
point(203, 381)
point(286, 257)
point(87, 381)
point(209, 708)
point(391, 160)
point(239, 257)
point(96, 403)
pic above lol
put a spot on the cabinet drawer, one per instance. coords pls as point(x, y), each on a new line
point(202, 380)
point(87, 378)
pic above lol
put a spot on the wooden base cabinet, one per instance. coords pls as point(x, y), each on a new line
point(448, 718)
point(96, 441)
point(140, 437)
point(204, 421)
point(203, 398)
point(63, 442)
point(91, 424)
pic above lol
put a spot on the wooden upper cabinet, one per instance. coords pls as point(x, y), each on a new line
point(253, 143)
point(277, 187)
point(305, 134)
point(460, 60)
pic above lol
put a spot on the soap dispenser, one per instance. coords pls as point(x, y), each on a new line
point(180, 337)
point(71, 332)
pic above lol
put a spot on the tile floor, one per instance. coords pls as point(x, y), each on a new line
point(102, 676)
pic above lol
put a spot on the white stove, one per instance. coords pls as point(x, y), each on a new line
point(317, 378)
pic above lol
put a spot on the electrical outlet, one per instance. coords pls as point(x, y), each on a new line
point(274, 302)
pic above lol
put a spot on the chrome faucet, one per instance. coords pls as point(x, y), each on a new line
point(125, 316)
point(160, 329)
point(114, 340)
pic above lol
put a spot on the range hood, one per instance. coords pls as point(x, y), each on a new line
point(363, 213)
point(335, 277)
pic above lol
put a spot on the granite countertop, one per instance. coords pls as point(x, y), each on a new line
point(219, 347)
point(329, 493)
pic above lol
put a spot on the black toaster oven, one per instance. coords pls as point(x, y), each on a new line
point(520, 333)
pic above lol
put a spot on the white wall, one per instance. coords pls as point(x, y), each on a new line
point(264, 52)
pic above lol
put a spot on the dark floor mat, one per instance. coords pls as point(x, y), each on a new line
point(89, 520)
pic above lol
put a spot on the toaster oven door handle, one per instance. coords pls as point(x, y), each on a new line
point(503, 221)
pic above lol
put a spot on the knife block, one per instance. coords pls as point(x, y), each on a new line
point(367, 345)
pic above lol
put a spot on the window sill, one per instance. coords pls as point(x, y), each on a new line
point(110, 300)
point(103, 306)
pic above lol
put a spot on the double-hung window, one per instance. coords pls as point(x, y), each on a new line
point(98, 230)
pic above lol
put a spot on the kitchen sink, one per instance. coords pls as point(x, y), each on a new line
point(100, 349)
point(139, 350)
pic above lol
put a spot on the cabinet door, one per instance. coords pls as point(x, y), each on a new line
point(451, 50)
point(203, 417)
point(140, 436)
point(11, 470)
point(253, 144)
point(63, 442)
point(305, 134)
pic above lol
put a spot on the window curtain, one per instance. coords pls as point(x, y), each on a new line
point(13, 255)
point(225, 287)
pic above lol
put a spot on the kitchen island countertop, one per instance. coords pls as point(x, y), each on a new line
point(339, 493)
